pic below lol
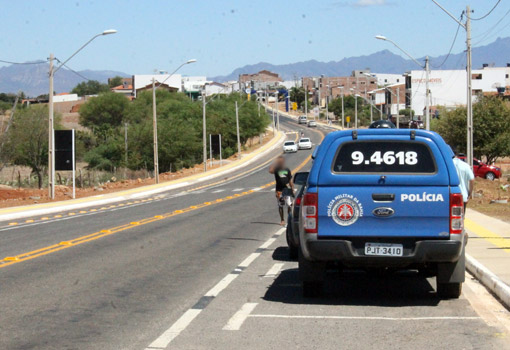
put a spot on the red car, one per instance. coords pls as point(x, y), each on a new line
point(489, 172)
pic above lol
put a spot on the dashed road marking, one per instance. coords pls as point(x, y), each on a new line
point(274, 270)
point(236, 321)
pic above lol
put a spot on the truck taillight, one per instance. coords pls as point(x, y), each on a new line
point(456, 213)
point(310, 212)
point(298, 200)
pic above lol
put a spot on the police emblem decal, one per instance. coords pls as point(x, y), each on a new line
point(345, 209)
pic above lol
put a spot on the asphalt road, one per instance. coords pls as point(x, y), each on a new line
point(207, 268)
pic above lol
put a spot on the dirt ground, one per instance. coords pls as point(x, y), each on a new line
point(11, 197)
point(486, 192)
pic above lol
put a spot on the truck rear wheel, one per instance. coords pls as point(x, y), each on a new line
point(312, 274)
point(449, 290)
point(293, 250)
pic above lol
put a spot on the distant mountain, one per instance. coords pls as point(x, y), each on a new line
point(33, 79)
point(497, 53)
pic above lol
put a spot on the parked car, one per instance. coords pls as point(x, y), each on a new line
point(302, 119)
point(293, 216)
point(383, 199)
point(312, 124)
point(290, 147)
point(489, 172)
point(304, 143)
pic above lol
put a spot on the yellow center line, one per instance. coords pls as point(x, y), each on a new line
point(10, 260)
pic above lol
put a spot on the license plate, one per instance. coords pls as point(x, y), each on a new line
point(384, 249)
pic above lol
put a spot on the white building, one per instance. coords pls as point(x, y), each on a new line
point(65, 98)
point(384, 79)
point(448, 87)
point(213, 88)
point(193, 84)
point(142, 80)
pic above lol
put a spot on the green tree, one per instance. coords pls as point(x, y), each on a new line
point(115, 81)
point(90, 87)
point(491, 128)
point(298, 95)
point(104, 113)
point(28, 139)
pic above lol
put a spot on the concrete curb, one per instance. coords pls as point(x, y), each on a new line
point(492, 282)
point(14, 213)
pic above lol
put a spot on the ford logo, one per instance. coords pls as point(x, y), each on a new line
point(383, 212)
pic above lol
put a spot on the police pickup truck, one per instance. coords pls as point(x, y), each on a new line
point(383, 199)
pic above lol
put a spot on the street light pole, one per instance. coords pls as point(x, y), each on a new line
point(204, 136)
point(51, 136)
point(306, 101)
point(327, 103)
point(155, 120)
point(398, 107)
point(155, 132)
point(51, 153)
point(355, 111)
point(343, 124)
point(238, 136)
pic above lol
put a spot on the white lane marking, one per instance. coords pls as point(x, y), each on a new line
point(214, 291)
point(274, 270)
point(171, 333)
point(197, 192)
point(217, 191)
point(373, 318)
point(272, 190)
point(246, 262)
point(164, 339)
point(236, 321)
point(267, 243)
point(237, 189)
point(256, 189)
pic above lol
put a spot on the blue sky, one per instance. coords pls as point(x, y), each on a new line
point(225, 34)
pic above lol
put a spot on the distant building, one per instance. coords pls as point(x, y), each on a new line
point(260, 81)
point(214, 88)
point(448, 87)
point(390, 99)
point(385, 79)
point(142, 81)
point(360, 82)
point(159, 86)
point(126, 88)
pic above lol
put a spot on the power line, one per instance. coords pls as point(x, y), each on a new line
point(488, 13)
point(451, 47)
point(22, 63)
point(488, 32)
point(72, 70)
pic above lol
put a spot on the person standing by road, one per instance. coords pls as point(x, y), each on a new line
point(466, 177)
point(284, 185)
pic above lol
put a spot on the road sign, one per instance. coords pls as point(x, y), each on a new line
point(315, 111)
point(294, 106)
point(348, 119)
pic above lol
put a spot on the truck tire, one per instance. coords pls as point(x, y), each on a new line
point(449, 290)
point(293, 250)
point(312, 275)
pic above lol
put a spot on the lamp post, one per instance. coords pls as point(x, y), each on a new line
point(155, 119)
point(276, 108)
point(51, 141)
point(327, 103)
point(427, 71)
point(342, 89)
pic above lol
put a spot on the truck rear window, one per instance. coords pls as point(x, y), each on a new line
point(379, 157)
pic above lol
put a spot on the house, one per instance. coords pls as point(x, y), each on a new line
point(141, 81)
point(163, 86)
point(125, 88)
point(260, 81)
point(214, 88)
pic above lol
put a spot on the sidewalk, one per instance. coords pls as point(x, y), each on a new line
point(488, 251)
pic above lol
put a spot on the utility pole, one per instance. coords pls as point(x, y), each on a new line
point(343, 124)
point(204, 136)
point(155, 131)
point(126, 143)
point(239, 136)
point(51, 149)
point(371, 110)
point(355, 111)
point(469, 90)
point(306, 101)
point(277, 114)
point(327, 104)
point(398, 107)
point(427, 95)
point(469, 117)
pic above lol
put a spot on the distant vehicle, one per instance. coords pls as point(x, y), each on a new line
point(305, 143)
point(293, 217)
point(489, 172)
point(312, 124)
point(382, 124)
point(381, 200)
point(416, 124)
point(290, 147)
point(302, 119)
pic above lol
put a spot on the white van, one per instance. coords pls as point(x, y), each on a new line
point(302, 119)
